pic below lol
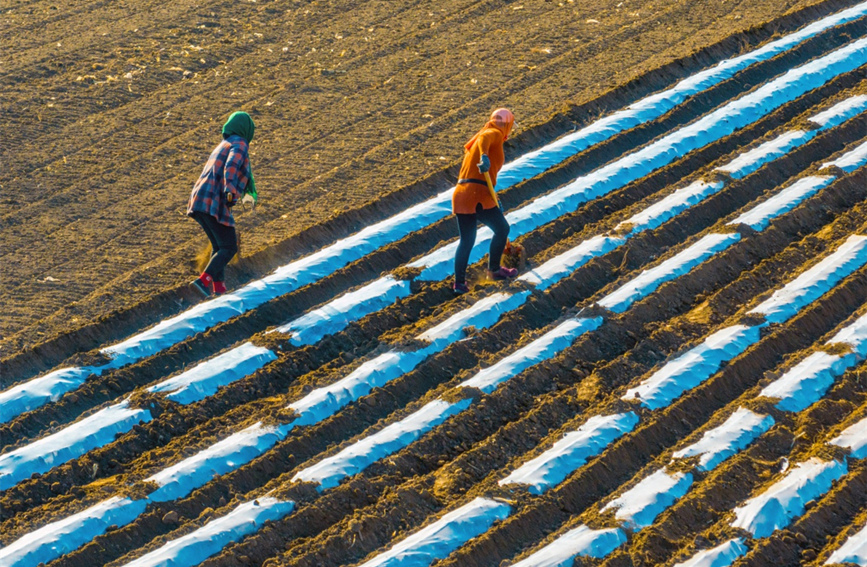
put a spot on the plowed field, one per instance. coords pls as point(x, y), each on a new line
point(674, 379)
point(110, 110)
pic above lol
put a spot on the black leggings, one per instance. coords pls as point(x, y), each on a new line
point(224, 244)
point(494, 220)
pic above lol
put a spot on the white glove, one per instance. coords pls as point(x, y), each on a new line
point(248, 199)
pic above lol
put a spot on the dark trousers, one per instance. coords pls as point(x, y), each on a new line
point(224, 244)
point(493, 219)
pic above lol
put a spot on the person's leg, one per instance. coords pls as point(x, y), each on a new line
point(227, 247)
point(203, 283)
point(201, 218)
point(496, 221)
point(224, 244)
point(467, 230)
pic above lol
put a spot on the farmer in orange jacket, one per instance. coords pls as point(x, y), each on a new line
point(472, 201)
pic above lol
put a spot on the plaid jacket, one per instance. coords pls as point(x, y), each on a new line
point(228, 169)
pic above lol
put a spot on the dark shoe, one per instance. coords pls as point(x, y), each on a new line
point(199, 286)
point(460, 288)
point(219, 287)
point(502, 274)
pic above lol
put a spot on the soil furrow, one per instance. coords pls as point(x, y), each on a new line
point(667, 74)
point(798, 543)
point(792, 437)
point(759, 73)
point(511, 438)
point(834, 541)
point(629, 454)
point(118, 454)
point(346, 95)
point(212, 338)
point(342, 543)
point(433, 451)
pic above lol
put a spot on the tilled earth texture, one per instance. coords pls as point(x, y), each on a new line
point(110, 110)
point(675, 378)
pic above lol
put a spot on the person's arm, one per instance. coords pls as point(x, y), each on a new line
point(486, 139)
point(234, 174)
point(251, 196)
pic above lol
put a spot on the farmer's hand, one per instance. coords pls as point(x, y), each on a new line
point(248, 199)
point(485, 164)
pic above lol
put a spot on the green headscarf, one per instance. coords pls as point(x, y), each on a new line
point(240, 123)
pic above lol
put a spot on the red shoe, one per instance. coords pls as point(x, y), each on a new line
point(202, 284)
point(502, 274)
point(219, 287)
point(460, 288)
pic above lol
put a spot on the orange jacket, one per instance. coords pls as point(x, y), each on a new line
point(489, 140)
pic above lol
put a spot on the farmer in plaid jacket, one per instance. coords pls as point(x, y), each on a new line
point(226, 179)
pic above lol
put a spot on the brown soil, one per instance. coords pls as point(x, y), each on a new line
point(130, 100)
point(334, 118)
